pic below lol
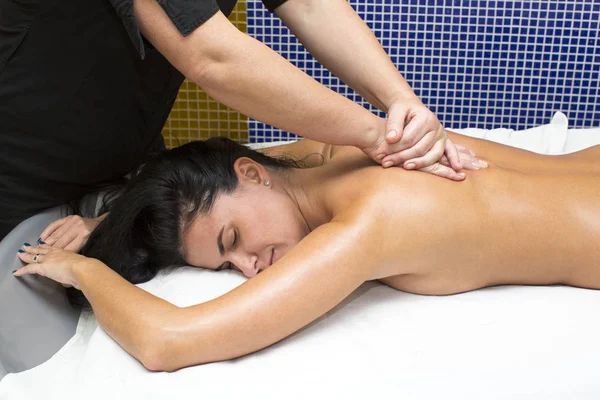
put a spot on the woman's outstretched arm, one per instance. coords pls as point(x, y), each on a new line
point(316, 275)
point(310, 280)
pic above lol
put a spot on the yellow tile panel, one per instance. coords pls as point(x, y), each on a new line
point(195, 115)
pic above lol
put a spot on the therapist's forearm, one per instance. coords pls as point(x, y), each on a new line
point(283, 96)
point(259, 83)
point(246, 75)
point(134, 318)
point(336, 36)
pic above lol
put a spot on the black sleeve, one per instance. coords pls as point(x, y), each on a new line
point(273, 4)
point(186, 15)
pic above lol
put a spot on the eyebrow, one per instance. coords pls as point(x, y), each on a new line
point(220, 241)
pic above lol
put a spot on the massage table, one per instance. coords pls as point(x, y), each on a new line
point(503, 342)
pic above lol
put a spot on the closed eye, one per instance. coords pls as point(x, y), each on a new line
point(228, 264)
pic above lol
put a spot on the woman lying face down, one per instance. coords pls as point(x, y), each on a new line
point(309, 237)
point(253, 226)
point(214, 204)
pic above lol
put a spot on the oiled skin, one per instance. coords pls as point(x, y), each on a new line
point(526, 219)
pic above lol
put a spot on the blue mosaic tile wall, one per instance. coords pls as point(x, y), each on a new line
point(475, 63)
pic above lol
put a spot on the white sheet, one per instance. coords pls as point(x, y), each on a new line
point(508, 342)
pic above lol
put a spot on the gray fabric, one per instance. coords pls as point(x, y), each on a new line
point(35, 318)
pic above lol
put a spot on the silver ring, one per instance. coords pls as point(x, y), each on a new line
point(36, 258)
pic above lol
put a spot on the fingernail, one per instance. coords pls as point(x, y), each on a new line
point(391, 134)
point(409, 166)
point(387, 164)
point(483, 163)
point(26, 244)
point(461, 174)
point(14, 271)
point(40, 241)
point(20, 251)
point(380, 157)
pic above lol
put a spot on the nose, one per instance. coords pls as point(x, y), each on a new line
point(247, 263)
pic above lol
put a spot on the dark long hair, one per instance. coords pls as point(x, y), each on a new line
point(142, 235)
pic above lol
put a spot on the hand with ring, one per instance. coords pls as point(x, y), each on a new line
point(53, 263)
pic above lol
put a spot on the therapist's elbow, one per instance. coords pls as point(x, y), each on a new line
point(213, 75)
point(218, 71)
point(203, 72)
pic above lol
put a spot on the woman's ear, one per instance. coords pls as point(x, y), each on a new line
point(247, 169)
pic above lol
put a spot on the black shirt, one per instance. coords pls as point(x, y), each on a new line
point(82, 100)
point(186, 15)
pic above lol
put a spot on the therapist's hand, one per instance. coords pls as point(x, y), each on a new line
point(416, 136)
point(415, 139)
point(55, 264)
point(467, 159)
point(70, 233)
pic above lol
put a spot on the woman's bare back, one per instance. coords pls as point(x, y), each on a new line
point(527, 219)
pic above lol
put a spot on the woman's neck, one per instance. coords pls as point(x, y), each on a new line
point(306, 190)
